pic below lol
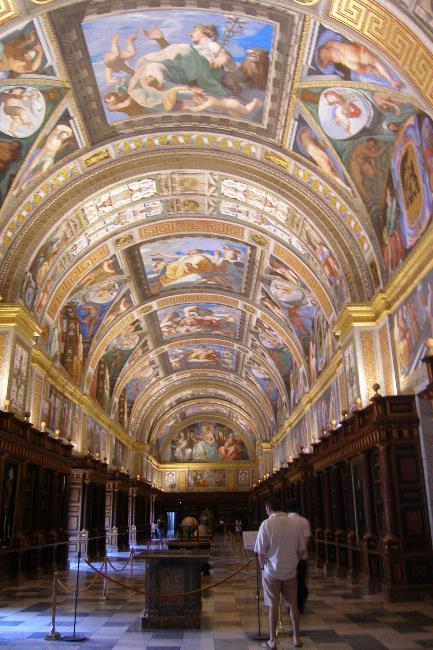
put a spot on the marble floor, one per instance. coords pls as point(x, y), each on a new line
point(337, 617)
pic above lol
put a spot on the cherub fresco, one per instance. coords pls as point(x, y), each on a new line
point(203, 318)
point(205, 61)
point(138, 385)
point(335, 54)
point(22, 111)
point(21, 53)
point(196, 261)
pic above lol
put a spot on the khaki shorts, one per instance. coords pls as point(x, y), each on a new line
point(273, 588)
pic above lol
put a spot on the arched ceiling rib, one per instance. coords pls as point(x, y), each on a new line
point(186, 210)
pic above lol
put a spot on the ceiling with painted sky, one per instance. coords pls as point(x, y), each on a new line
point(192, 191)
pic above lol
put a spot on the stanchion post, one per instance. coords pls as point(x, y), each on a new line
point(132, 562)
point(259, 636)
point(53, 635)
point(75, 637)
point(104, 583)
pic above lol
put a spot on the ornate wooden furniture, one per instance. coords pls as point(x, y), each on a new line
point(116, 510)
point(34, 480)
point(169, 573)
point(87, 507)
point(363, 491)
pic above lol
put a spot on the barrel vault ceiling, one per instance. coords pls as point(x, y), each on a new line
point(191, 192)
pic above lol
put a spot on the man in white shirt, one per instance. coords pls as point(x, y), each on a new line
point(280, 544)
point(305, 528)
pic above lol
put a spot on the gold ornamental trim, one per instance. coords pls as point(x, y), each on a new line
point(385, 302)
point(8, 11)
point(19, 318)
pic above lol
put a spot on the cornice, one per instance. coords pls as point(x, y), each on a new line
point(19, 318)
point(385, 302)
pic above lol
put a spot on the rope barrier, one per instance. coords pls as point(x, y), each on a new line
point(72, 591)
point(124, 566)
point(167, 595)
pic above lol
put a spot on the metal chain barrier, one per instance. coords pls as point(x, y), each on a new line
point(167, 595)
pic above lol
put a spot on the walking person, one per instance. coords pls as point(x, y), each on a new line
point(305, 528)
point(279, 546)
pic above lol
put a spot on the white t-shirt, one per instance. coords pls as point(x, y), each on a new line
point(304, 527)
point(282, 543)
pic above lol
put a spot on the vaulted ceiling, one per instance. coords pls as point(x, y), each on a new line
point(193, 191)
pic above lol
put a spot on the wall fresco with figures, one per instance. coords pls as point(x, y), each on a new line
point(205, 442)
point(60, 413)
point(19, 378)
point(149, 62)
point(207, 478)
point(413, 324)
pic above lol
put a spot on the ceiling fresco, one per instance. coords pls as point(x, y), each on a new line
point(190, 198)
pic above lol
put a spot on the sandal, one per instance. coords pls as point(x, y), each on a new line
point(270, 645)
point(298, 644)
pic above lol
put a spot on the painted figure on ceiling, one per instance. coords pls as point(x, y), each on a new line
point(45, 155)
point(22, 111)
point(21, 54)
point(209, 61)
point(159, 78)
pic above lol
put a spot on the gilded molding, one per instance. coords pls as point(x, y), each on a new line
point(326, 377)
point(368, 348)
point(19, 318)
point(36, 399)
point(8, 11)
point(385, 302)
point(385, 355)
point(379, 26)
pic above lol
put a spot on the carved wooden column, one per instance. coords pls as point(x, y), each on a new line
point(390, 539)
point(132, 527)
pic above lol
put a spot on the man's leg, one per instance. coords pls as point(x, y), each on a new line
point(271, 593)
point(274, 610)
point(289, 593)
point(302, 587)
